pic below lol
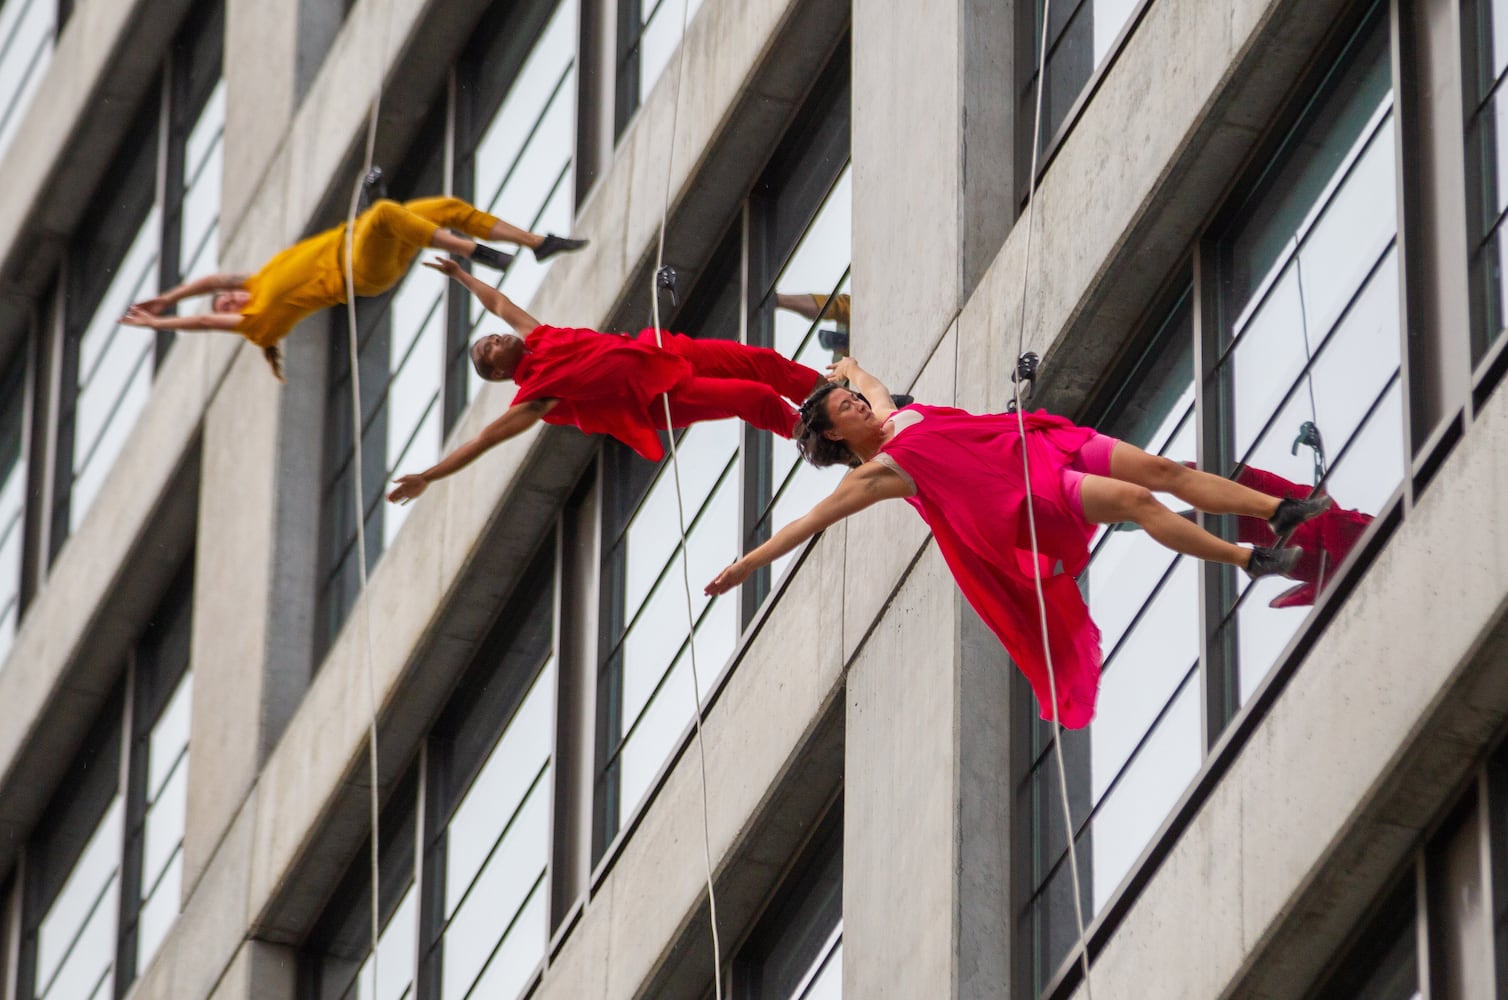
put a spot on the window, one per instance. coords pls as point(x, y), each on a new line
point(520, 160)
point(486, 778)
point(513, 132)
point(401, 350)
point(27, 30)
point(137, 242)
point(1384, 962)
point(1129, 767)
point(1288, 379)
point(648, 33)
point(1081, 38)
point(104, 867)
point(338, 960)
point(1486, 25)
point(796, 951)
point(778, 279)
point(1308, 340)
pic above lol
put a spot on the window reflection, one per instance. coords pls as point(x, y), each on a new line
point(1309, 389)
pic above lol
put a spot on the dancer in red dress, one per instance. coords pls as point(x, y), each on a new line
point(607, 383)
point(963, 473)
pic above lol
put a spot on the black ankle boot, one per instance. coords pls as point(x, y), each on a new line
point(1291, 513)
point(492, 257)
point(1272, 561)
point(553, 245)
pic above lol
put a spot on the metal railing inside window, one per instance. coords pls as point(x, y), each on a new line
point(27, 31)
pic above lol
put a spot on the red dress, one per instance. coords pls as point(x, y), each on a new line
point(604, 383)
point(970, 489)
point(1325, 540)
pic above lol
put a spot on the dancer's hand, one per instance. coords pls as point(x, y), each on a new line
point(139, 316)
point(447, 266)
point(729, 578)
point(408, 487)
point(153, 306)
point(843, 370)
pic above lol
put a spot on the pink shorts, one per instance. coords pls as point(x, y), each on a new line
point(1092, 460)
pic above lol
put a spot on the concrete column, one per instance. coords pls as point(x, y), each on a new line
point(932, 155)
point(926, 798)
point(257, 556)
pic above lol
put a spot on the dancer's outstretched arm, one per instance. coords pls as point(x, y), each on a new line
point(867, 485)
point(210, 284)
point(491, 299)
point(139, 316)
point(872, 389)
point(514, 421)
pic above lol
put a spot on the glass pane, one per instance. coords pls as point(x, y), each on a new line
point(502, 888)
point(203, 169)
point(115, 370)
point(518, 762)
point(159, 910)
point(661, 33)
point(644, 753)
point(26, 41)
point(827, 978)
point(512, 965)
point(1148, 789)
point(703, 451)
point(525, 157)
point(1141, 676)
point(12, 514)
point(394, 974)
point(661, 627)
point(170, 736)
point(76, 938)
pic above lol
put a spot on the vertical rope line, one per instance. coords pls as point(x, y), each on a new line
point(680, 508)
point(1031, 515)
point(353, 346)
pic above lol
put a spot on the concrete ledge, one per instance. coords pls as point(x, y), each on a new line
point(1398, 699)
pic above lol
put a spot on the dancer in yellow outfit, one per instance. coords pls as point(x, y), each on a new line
point(310, 275)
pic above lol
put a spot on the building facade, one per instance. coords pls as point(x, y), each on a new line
point(1267, 236)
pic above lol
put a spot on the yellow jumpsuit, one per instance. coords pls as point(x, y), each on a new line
point(310, 275)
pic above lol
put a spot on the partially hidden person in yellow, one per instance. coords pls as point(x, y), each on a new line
point(310, 275)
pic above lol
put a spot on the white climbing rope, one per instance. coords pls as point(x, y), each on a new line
point(680, 507)
point(353, 347)
point(1031, 516)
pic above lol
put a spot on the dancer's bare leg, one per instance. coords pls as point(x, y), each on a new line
point(1110, 501)
point(508, 233)
point(1209, 493)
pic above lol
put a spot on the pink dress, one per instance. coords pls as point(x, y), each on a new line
point(970, 489)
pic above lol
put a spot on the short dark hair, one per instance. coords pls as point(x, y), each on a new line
point(815, 446)
point(484, 372)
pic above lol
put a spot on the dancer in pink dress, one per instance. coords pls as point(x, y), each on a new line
point(963, 473)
